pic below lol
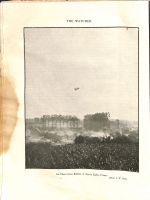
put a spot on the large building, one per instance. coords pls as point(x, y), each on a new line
point(56, 121)
point(61, 121)
point(69, 121)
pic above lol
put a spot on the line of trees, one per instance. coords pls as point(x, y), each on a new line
point(121, 139)
point(97, 121)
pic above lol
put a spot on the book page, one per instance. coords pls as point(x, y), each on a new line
point(75, 100)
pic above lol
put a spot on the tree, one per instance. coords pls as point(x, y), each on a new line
point(97, 121)
point(79, 139)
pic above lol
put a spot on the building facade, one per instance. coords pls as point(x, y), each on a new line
point(61, 121)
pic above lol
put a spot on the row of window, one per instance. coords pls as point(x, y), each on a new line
point(61, 124)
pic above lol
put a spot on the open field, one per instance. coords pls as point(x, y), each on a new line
point(105, 156)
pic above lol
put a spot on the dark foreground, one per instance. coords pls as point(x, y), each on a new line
point(83, 156)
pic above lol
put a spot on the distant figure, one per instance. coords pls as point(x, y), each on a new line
point(77, 88)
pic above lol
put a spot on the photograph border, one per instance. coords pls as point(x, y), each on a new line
point(101, 27)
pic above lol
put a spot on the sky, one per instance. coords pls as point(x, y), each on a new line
point(101, 62)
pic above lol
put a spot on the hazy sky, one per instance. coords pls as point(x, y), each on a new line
point(102, 62)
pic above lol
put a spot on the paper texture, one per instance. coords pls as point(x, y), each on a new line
point(105, 52)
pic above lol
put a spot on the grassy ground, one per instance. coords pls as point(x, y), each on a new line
point(87, 156)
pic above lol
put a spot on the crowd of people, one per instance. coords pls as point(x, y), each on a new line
point(103, 156)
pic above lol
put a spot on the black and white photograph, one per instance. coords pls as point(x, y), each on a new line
point(82, 98)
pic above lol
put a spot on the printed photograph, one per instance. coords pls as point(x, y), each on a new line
point(81, 98)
